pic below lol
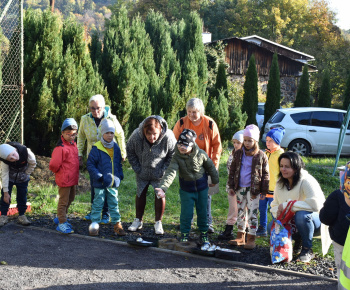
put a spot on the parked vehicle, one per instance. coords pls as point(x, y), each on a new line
point(310, 130)
point(260, 115)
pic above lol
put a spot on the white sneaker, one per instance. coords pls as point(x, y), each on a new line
point(158, 228)
point(3, 220)
point(136, 225)
point(23, 220)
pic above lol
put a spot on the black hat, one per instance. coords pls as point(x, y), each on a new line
point(187, 137)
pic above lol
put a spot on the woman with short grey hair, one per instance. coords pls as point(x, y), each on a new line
point(90, 132)
point(208, 139)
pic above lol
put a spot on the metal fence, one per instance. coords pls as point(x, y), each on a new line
point(11, 73)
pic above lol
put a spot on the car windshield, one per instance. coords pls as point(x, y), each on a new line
point(261, 109)
point(277, 117)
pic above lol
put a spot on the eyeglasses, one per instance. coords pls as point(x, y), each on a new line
point(71, 135)
point(95, 109)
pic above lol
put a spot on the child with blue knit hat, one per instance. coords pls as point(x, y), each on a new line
point(273, 151)
point(64, 164)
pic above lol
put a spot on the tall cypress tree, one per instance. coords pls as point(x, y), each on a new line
point(302, 98)
point(95, 48)
point(221, 80)
point(325, 96)
point(347, 94)
point(273, 94)
point(250, 96)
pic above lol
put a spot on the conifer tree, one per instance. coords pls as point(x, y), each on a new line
point(95, 48)
point(219, 112)
point(346, 102)
point(302, 98)
point(221, 80)
point(273, 94)
point(325, 96)
point(250, 96)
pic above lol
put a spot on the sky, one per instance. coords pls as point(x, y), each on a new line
point(342, 8)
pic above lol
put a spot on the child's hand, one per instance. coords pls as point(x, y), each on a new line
point(160, 193)
point(212, 185)
point(280, 209)
point(7, 198)
point(262, 197)
point(231, 192)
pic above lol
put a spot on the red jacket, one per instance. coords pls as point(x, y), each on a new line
point(65, 163)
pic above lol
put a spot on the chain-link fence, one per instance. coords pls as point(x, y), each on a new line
point(11, 70)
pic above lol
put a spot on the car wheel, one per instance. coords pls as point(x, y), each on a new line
point(300, 146)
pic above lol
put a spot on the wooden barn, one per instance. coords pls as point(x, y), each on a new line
point(291, 62)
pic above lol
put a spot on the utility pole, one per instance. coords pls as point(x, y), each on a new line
point(52, 4)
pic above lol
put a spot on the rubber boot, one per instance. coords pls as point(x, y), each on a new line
point(227, 233)
point(250, 245)
point(239, 240)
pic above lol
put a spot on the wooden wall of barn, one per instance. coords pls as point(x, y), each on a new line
point(238, 53)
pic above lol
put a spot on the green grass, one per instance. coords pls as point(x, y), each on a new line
point(44, 199)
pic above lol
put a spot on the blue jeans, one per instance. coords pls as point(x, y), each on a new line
point(101, 196)
point(307, 224)
point(105, 206)
point(22, 189)
point(263, 206)
point(188, 200)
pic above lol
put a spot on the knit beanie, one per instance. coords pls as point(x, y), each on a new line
point(252, 131)
point(238, 136)
point(69, 122)
point(107, 126)
point(6, 150)
point(345, 186)
point(276, 134)
point(187, 137)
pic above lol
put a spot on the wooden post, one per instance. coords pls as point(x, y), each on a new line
point(52, 4)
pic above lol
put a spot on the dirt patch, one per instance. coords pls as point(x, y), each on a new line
point(43, 176)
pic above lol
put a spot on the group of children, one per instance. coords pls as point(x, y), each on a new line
point(249, 176)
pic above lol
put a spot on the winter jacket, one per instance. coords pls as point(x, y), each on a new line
point(274, 168)
point(104, 171)
point(150, 161)
point(307, 192)
point(90, 133)
point(193, 169)
point(211, 136)
point(65, 163)
point(19, 171)
point(333, 214)
point(260, 173)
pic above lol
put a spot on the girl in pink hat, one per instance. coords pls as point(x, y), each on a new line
point(248, 178)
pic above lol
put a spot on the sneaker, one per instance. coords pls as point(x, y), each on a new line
point(56, 221)
point(204, 237)
point(211, 229)
point(4, 219)
point(306, 255)
point(23, 220)
point(118, 229)
point(105, 219)
point(158, 228)
point(64, 228)
point(184, 238)
point(87, 217)
point(261, 232)
point(136, 225)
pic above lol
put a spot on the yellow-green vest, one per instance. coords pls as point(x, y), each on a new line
point(344, 277)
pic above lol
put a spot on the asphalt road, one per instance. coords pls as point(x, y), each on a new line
point(33, 258)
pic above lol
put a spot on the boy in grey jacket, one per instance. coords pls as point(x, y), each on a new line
point(193, 165)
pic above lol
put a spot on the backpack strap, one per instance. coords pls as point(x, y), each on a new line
point(210, 124)
point(181, 122)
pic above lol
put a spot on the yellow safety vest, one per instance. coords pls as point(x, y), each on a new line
point(344, 277)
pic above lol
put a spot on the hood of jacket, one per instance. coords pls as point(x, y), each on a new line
point(163, 124)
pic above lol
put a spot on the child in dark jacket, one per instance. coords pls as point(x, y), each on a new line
point(193, 165)
point(248, 178)
point(105, 169)
point(65, 164)
point(334, 212)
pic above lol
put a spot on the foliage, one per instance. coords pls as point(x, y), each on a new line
point(325, 97)
point(250, 96)
point(347, 94)
point(59, 77)
point(303, 94)
point(273, 95)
